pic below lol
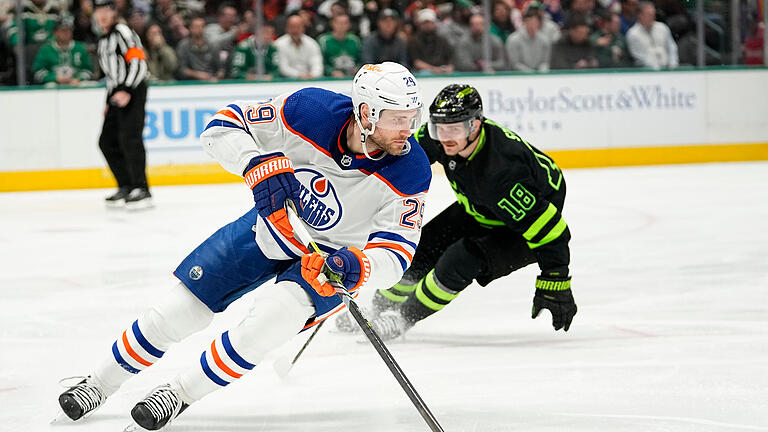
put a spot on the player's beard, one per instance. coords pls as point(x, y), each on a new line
point(389, 146)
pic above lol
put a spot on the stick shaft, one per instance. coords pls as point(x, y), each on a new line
point(378, 344)
point(386, 356)
point(317, 328)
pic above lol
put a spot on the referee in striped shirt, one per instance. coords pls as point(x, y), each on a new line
point(123, 61)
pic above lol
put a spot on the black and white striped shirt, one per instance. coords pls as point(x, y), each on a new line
point(122, 58)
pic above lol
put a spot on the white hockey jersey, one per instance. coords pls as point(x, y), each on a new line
point(348, 200)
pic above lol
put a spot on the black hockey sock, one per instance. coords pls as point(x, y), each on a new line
point(428, 297)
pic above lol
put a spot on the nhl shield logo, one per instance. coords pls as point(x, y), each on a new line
point(452, 165)
point(346, 160)
point(195, 273)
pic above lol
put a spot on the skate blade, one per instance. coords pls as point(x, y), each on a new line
point(60, 418)
point(133, 427)
point(140, 205)
point(115, 204)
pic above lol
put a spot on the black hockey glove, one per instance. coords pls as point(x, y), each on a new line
point(554, 293)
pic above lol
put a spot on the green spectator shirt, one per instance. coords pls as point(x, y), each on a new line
point(72, 60)
point(38, 23)
point(340, 55)
point(244, 59)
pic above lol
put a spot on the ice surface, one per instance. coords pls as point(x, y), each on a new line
point(670, 270)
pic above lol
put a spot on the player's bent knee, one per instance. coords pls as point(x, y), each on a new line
point(178, 315)
point(459, 265)
point(277, 314)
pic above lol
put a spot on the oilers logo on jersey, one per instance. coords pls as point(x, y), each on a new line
point(321, 207)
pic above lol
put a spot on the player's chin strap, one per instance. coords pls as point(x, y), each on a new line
point(364, 134)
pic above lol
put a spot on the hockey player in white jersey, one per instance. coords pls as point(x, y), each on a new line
point(359, 181)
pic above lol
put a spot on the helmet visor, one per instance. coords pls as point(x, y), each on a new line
point(457, 131)
point(399, 120)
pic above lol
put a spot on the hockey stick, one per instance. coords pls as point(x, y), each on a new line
point(303, 236)
point(282, 366)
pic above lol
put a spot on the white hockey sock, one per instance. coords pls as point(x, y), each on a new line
point(178, 315)
point(277, 314)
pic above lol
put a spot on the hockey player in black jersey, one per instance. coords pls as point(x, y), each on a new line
point(507, 215)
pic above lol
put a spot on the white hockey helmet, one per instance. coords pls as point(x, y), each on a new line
point(385, 86)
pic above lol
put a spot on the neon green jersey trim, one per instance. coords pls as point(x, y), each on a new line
point(540, 222)
point(553, 234)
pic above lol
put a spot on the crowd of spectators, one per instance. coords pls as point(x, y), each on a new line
point(210, 40)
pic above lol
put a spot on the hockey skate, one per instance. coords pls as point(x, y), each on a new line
point(117, 199)
point(346, 324)
point(390, 325)
point(138, 199)
point(81, 399)
point(157, 409)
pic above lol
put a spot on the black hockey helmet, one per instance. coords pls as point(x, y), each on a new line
point(453, 112)
point(456, 103)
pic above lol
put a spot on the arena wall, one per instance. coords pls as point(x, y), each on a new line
point(589, 119)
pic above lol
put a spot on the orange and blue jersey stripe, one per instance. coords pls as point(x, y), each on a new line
point(230, 117)
point(402, 248)
point(133, 352)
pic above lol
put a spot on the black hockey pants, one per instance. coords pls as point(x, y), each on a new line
point(459, 250)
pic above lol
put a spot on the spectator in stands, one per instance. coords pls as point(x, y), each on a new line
point(549, 29)
point(198, 58)
point(412, 10)
point(38, 18)
point(468, 56)
point(341, 49)
point(162, 11)
point(63, 60)
point(161, 58)
point(298, 55)
point(574, 51)
point(628, 15)
point(373, 10)
point(226, 31)
point(650, 42)
point(583, 8)
point(137, 20)
point(430, 53)
point(330, 9)
point(385, 44)
point(501, 23)
point(245, 56)
point(456, 26)
point(608, 42)
point(84, 28)
point(175, 31)
point(528, 49)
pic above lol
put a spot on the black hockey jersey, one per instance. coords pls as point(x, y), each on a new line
point(508, 182)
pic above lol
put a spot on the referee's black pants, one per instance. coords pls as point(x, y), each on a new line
point(121, 140)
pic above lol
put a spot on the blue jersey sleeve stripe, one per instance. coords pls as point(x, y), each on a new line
point(121, 361)
point(237, 109)
point(233, 354)
point(144, 342)
point(209, 372)
point(392, 236)
point(403, 262)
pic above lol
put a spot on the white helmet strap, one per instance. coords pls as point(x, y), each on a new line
point(364, 134)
